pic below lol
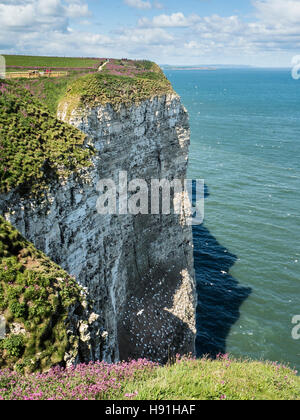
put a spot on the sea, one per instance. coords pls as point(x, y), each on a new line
point(245, 144)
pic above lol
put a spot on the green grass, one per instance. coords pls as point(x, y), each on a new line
point(186, 379)
point(36, 61)
point(49, 91)
point(104, 88)
point(35, 146)
point(35, 294)
point(217, 380)
point(125, 81)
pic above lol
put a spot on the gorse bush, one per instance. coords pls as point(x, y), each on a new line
point(34, 146)
point(35, 297)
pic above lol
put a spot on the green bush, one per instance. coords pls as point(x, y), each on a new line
point(19, 310)
point(14, 345)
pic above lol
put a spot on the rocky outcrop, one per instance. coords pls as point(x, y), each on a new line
point(137, 270)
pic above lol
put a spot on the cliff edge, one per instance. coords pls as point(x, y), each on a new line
point(136, 269)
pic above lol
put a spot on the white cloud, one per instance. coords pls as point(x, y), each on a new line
point(32, 15)
point(144, 4)
point(39, 15)
point(139, 4)
point(43, 27)
point(158, 5)
point(77, 10)
point(216, 24)
point(176, 20)
point(278, 12)
point(147, 36)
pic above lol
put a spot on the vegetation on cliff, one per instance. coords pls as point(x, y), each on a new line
point(186, 379)
point(35, 146)
point(52, 91)
point(35, 298)
point(117, 84)
point(48, 90)
point(36, 149)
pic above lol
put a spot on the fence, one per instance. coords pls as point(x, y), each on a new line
point(35, 74)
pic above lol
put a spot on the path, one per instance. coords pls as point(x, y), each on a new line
point(103, 65)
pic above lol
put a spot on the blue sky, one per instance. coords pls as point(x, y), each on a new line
point(253, 32)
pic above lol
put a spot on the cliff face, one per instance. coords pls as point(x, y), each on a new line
point(138, 270)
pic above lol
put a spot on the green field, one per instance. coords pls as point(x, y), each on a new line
point(63, 62)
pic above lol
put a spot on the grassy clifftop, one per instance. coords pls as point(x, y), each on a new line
point(35, 296)
point(35, 146)
point(120, 82)
point(125, 80)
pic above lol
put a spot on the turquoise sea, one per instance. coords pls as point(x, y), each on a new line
point(245, 143)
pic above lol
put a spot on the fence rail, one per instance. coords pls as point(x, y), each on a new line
point(34, 74)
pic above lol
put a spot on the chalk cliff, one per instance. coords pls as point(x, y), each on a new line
point(137, 270)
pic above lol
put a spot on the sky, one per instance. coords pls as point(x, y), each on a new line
point(262, 33)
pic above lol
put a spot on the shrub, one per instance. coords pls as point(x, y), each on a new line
point(19, 310)
point(14, 345)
